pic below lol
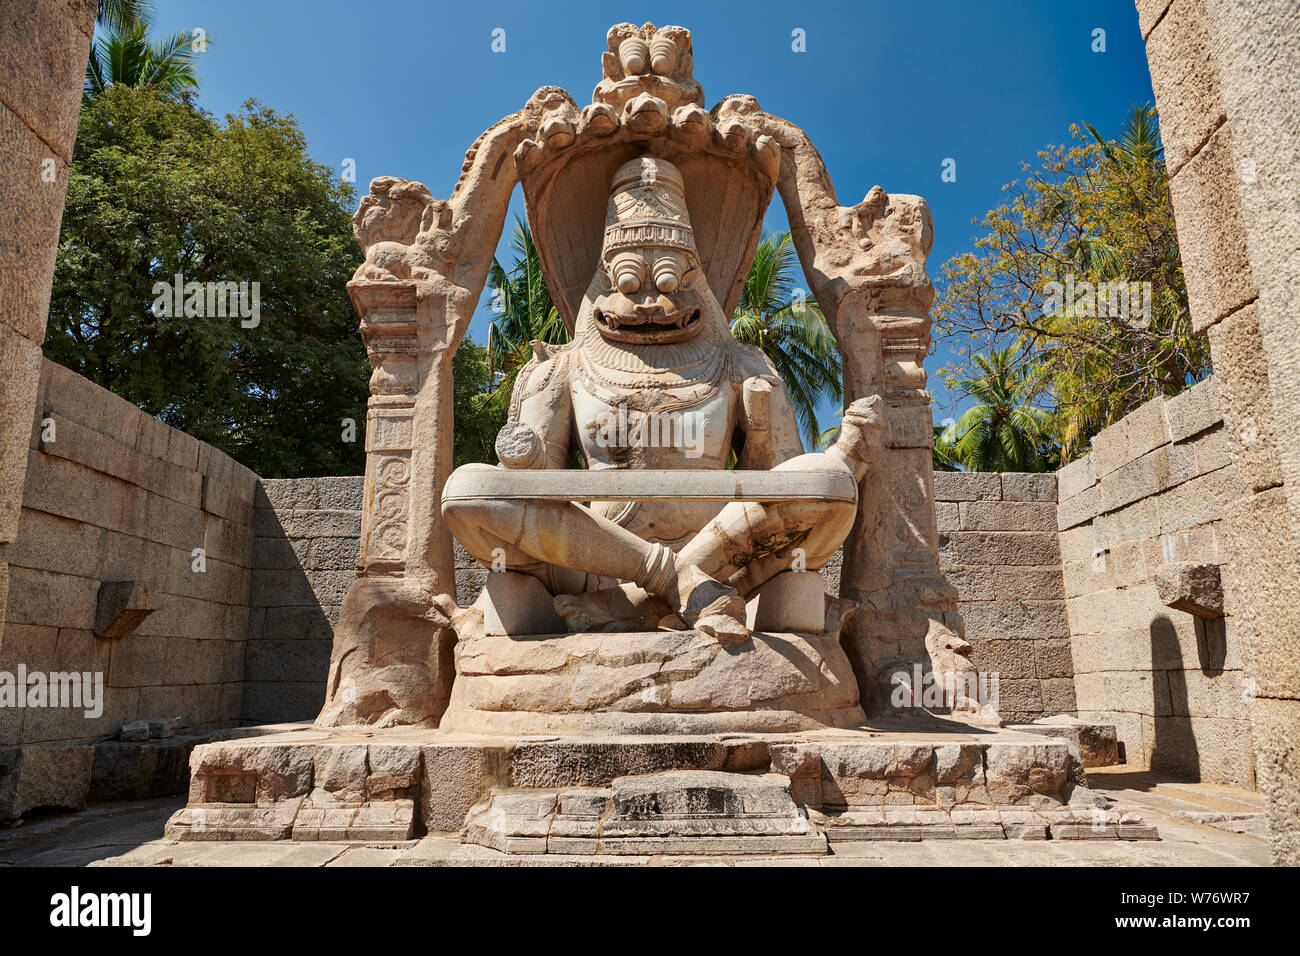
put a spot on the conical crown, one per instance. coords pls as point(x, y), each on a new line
point(647, 208)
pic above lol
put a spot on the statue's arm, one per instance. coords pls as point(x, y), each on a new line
point(539, 431)
point(769, 424)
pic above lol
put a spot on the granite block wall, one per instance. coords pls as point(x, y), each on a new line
point(1153, 492)
point(113, 494)
point(998, 547)
point(304, 557)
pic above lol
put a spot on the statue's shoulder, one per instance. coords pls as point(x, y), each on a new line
point(750, 361)
point(549, 367)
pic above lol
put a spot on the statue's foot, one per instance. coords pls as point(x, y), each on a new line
point(624, 608)
point(711, 607)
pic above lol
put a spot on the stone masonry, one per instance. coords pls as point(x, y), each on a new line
point(304, 556)
point(998, 547)
point(1152, 495)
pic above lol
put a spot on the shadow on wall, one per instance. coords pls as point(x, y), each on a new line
point(304, 558)
point(1174, 748)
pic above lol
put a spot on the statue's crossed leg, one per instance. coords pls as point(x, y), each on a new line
point(705, 582)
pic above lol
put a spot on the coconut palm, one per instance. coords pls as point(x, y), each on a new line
point(524, 313)
point(944, 456)
point(1003, 431)
point(122, 14)
point(124, 54)
point(778, 317)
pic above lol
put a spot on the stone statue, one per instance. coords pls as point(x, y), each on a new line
point(656, 590)
point(654, 379)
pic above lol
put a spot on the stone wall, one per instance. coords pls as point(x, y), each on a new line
point(113, 494)
point(1153, 492)
point(1223, 73)
point(998, 547)
point(43, 54)
point(304, 558)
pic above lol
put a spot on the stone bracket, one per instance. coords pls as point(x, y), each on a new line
point(121, 607)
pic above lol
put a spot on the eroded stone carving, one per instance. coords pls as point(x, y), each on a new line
point(666, 200)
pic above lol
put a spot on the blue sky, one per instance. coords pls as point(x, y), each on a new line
point(887, 89)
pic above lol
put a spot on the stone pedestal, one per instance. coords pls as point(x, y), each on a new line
point(655, 682)
point(907, 779)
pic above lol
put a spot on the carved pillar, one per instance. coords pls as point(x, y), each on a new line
point(866, 266)
point(388, 327)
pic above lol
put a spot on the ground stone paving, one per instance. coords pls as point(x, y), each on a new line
point(129, 834)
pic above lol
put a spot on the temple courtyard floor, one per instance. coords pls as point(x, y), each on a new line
point(1199, 824)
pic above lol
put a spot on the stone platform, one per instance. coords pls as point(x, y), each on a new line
point(904, 779)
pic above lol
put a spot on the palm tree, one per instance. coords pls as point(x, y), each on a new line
point(524, 314)
point(125, 54)
point(790, 328)
point(122, 14)
point(1002, 431)
point(944, 457)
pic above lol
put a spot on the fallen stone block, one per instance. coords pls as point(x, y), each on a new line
point(1097, 743)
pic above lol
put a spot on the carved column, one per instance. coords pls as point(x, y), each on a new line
point(866, 266)
point(388, 327)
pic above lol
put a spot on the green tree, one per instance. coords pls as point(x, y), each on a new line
point(120, 14)
point(944, 457)
point(124, 54)
point(1003, 431)
point(1095, 217)
point(791, 330)
point(159, 188)
point(478, 417)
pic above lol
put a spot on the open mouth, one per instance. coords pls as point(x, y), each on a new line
point(651, 323)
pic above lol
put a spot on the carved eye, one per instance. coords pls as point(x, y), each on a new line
point(627, 274)
point(663, 55)
point(667, 274)
point(634, 54)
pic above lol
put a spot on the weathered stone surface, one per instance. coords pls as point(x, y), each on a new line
point(1075, 478)
point(791, 601)
point(1194, 588)
point(121, 607)
point(1098, 744)
point(1184, 81)
point(50, 776)
point(657, 682)
point(1248, 413)
point(1211, 237)
point(20, 358)
point(681, 811)
point(518, 604)
point(1028, 487)
point(961, 486)
point(1008, 516)
point(1194, 411)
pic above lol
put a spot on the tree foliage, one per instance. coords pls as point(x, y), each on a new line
point(158, 187)
point(1093, 214)
point(523, 313)
point(1002, 431)
point(123, 53)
